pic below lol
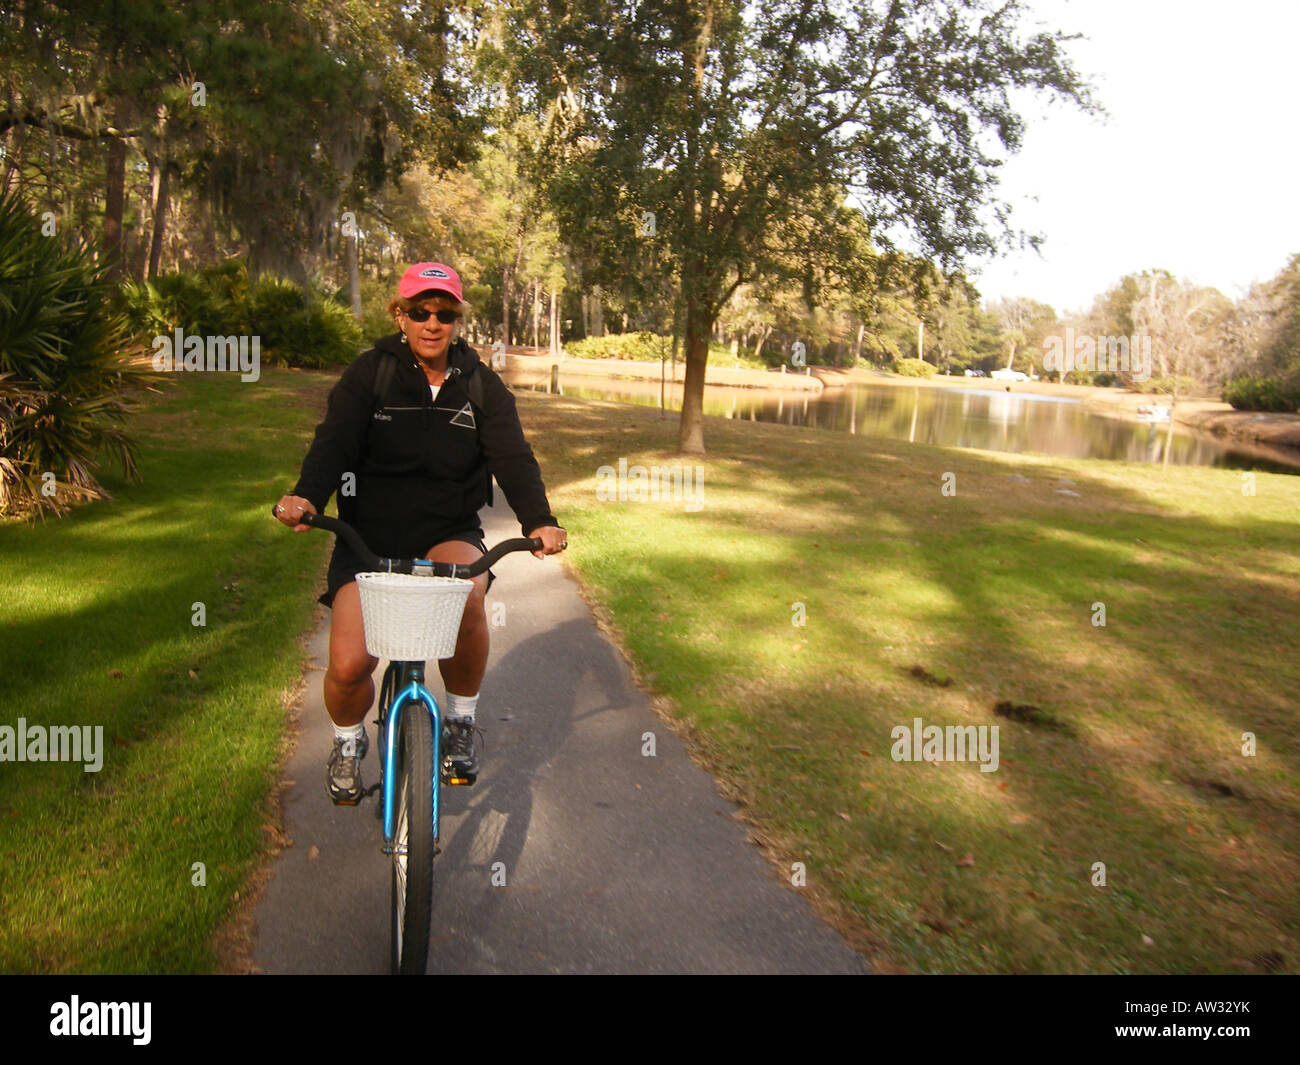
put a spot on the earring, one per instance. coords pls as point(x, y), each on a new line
point(404, 340)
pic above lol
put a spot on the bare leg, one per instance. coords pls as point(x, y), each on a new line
point(349, 689)
point(463, 672)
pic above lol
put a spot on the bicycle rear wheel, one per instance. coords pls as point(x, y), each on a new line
point(412, 894)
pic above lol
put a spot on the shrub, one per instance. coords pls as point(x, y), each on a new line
point(376, 322)
point(208, 302)
point(64, 350)
point(296, 327)
point(1186, 386)
point(1263, 394)
point(297, 330)
point(638, 347)
point(913, 367)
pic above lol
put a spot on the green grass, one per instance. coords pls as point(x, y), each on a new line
point(96, 629)
point(992, 587)
point(939, 867)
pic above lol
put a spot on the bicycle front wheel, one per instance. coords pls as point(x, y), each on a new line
point(412, 896)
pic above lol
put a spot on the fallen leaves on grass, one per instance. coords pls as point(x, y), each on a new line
point(924, 675)
point(1027, 714)
point(937, 924)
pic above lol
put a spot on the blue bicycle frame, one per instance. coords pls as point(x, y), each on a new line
point(404, 681)
point(413, 694)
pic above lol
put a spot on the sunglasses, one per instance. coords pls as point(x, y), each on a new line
point(422, 314)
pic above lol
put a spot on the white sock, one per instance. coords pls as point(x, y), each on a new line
point(350, 732)
point(461, 706)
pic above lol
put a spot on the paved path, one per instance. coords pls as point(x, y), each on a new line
point(614, 862)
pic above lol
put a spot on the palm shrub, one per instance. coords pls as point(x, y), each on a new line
point(294, 326)
point(301, 329)
point(64, 351)
point(212, 301)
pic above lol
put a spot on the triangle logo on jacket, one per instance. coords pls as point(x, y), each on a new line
point(465, 418)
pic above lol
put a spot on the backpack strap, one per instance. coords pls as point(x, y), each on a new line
point(474, 386)
point(384, 377)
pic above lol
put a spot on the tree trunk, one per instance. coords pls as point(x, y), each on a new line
point(354, 272)
point(114, 195)
point(537, 311)
point(555, 325)
point(13, 153)
point(161, 204)
point(505, 306)
point(857, 347)
point(210, 223)
point(690, 436)
point(597, 312)
point(677, 334)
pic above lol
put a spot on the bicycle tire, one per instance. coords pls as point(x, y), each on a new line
point(412, 875)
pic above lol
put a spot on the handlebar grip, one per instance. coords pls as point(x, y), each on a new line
point(519, 543)
point(338, 528)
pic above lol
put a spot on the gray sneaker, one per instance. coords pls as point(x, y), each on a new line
point(459, 755)
point(343, 773)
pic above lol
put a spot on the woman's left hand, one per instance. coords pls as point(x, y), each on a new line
point(553, 540)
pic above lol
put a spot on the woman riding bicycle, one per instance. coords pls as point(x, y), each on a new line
point(412, 468)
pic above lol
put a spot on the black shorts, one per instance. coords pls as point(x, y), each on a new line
point(344, 568)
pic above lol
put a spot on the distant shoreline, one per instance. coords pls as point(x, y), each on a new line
point(525, 359)
point(1206, 415)
point(1216, 418)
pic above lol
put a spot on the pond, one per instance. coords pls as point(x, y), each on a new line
point(953, 416)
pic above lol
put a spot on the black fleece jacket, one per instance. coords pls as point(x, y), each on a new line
point(421, 465)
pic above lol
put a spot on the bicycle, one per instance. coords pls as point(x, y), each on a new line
point(423, 625)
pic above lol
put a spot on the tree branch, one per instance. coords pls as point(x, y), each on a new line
point(39, 119)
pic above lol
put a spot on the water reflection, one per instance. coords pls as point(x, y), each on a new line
point(948, 417)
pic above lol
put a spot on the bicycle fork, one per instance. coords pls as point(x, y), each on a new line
point(414, 695)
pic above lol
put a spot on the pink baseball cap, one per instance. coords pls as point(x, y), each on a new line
point(425, 277)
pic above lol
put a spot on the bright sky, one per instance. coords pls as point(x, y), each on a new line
point(1194, 171)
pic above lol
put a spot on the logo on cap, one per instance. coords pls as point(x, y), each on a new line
point(433, 271)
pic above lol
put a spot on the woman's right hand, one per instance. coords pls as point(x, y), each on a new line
point(290, 510)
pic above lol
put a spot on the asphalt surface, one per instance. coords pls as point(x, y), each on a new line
point(613, 862)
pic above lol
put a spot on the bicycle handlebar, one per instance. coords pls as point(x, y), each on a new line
point(463, 570)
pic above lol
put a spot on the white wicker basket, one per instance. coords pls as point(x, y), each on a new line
point(409, 618)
